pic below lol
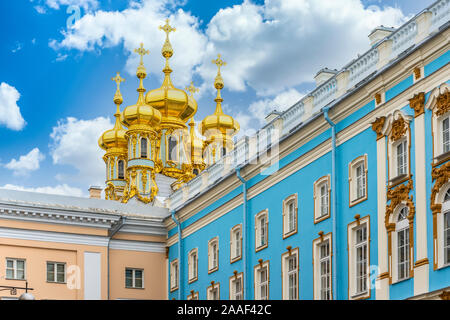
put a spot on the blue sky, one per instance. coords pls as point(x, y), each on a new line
point(55, 80)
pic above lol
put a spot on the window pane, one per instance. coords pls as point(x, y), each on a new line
point(138, 283)
point(9, 263)
point(20, 265)
point(50, 272)
point(445, 135)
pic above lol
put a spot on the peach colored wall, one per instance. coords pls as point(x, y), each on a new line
point(36, 254)
point(154, 274)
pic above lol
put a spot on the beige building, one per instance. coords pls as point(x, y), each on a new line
point(81, 248)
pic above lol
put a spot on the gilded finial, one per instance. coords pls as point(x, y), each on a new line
point(118, 96)
point(191, 89)
point(142, 52)
point(218, 82)
point(167, 50)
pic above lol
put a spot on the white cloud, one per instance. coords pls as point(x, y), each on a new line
point(26, 163)
point(271, 47)
point(17, 48)
point(57, 4)
point(63, 189)
point(74, 143)
point(10, 115)
point(261, 108)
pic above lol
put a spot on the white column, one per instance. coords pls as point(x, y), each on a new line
point(382, 285)
point(421, 271)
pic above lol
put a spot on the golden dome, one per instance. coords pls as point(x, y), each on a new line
point(219, 123)
point(115, 138)
point(141, 113)
point(174, 104)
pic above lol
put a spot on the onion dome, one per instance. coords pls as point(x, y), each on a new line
point(219, 125)
point(174, 104)
point(115, 138)
point(141, 113)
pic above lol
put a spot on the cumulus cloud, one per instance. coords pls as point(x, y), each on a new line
point(74, 143)
point(270, 47)
point(63, 189)
point(26, 163)
point(42, 5)
point(261, 108)
point(10, 115)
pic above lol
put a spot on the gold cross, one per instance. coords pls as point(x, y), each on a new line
point(118, 79)
point(167, 28)
point(219, 62)
point(142, 52)
point(191, 89)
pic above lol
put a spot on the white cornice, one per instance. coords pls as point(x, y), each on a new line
point(158, 247)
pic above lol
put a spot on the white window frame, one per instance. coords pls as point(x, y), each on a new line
point(234, 293)
point(354, 179)
point(174, 275)
point(440, 226)
point(258, 284)
point(318, 260)
point(405, 157)
point(353, 246)
point(213, 255)
point(15, 269)
point(261, 230)
point(55, 273)
point(290, 217)
point(287, 274)
point(209, 291)
point(400, 227)
point(193, 265)
point(133, 270)
point(319, 196)
point(236, 243)
point(444, 143)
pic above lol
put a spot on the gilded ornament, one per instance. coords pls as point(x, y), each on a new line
point(418, 104)
point(443, 103)
point(399, 128)
point(378, 125)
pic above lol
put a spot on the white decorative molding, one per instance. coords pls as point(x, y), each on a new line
point(158, 247)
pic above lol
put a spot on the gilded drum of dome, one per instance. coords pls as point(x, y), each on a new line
point(141, 114)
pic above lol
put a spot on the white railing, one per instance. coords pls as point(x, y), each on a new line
point(292, 117)
point(358, 70)
point(440, 14)
point(403, 38)
point(324, 94)
point(362, 67)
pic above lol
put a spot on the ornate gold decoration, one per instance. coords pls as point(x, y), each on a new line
point(399, 128)
point(377, 126)
point(377, 98)
point(441, 175)
point(417, 73)
point(396, 196)
point(445, 295)
point(443, 103)
point(418, 104)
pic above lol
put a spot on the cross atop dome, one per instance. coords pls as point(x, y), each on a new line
point(167, 28)
point(142, 52)
point(219, 62)
point(191, 89)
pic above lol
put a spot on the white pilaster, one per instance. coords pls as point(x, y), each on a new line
point(421, 271)
point(382, 285)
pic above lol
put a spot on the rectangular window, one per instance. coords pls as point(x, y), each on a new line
point(236, 243)
point(361, 259)
point(263, 284)
point(15, 269)
point(134, 278)
point(325, 272)
point(261, 230)
point(402, 158)
point(291, 213)
point(445, 135)
point(324, 200)
point(56, 272)
point(237, 289)
point(213, 255)
point(292, 277)
point(174, 275)
point(360, 181)
point(193, 265)
point(403, 253)
point(213, 292)
point(263, 234)
point(447, 238)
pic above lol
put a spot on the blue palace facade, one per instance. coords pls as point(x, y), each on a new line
point(344, 195)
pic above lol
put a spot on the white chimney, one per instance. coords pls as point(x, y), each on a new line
point(323, 75)
point(379, 33)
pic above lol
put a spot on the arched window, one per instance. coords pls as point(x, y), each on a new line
point(446, 229)
point(402, 229)
point(224, 152)
point(173, 148)
point(143, 148)
point(121, 174)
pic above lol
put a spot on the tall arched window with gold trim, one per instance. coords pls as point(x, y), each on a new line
point(144, 148)
point(121, 171)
